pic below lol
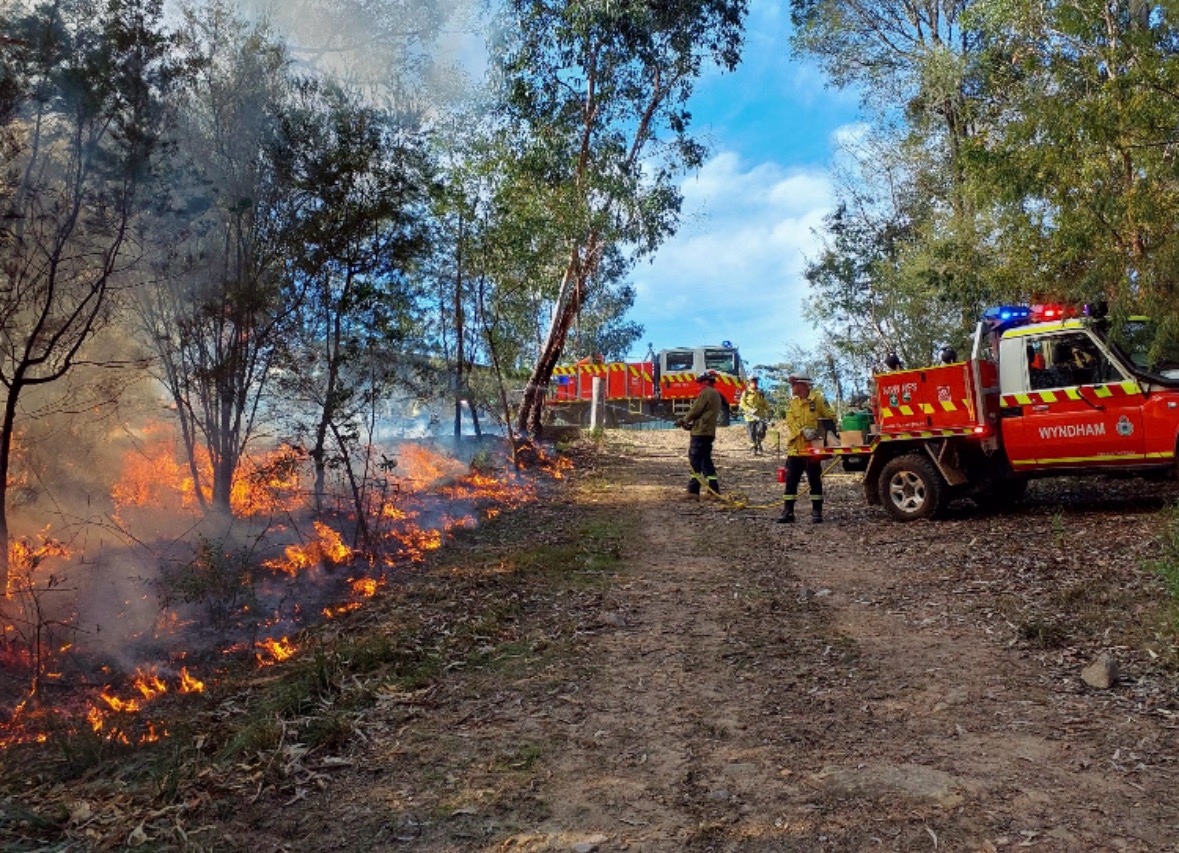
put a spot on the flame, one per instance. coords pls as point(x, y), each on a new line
point(122, 706)
point(149, 684)
point(327, 548)
point(188, 684)
point(279, 650)
point(405, 494)
point(366, 587)
point(423, 466)
point(155, 476)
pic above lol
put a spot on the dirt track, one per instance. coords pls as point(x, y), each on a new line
point(736, 685)
point(741, 685)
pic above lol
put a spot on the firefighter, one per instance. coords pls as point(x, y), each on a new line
point(803, 412)
point(701, 420)
point(756, 410)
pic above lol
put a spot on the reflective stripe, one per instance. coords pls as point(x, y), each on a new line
point(1128, 388)
point(946, 406)
point(1108, 457)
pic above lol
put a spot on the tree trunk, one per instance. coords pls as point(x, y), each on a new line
point(528, 421)
point(6, 430)
point(459, 323)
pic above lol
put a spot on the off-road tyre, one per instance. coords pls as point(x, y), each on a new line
point(911, 488)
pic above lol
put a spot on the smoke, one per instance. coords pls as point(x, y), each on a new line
point(415, 56)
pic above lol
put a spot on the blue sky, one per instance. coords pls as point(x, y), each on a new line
point(734, 270)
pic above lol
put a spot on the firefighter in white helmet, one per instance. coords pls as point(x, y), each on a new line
point(756, 410)
point(803, 412)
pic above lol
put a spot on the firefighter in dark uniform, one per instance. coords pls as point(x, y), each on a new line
point(803, 412)
point(701, 419)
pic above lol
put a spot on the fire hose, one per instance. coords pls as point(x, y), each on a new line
point(737, 500)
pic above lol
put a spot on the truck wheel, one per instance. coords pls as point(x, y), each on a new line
point(911, 488)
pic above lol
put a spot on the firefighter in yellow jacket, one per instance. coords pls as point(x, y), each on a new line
point(803, 412)
point(756, 410)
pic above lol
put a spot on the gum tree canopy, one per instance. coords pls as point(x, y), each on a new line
point(597, 91)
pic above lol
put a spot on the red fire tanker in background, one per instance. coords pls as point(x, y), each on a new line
point(661, 387)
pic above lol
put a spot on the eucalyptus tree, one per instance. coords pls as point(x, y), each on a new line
point(1082, 169)
point(924, 72)
point(596, 91)
point(364, 182)
point(81, 83)
point(219, 309)
point(878, 284)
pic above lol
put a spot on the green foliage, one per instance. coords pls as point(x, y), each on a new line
point(595, 117)
point(1166, 565)
point(1029, 157)
point(220, 581)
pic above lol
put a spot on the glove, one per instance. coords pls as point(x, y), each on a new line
point(810, 434)
point(679, 422)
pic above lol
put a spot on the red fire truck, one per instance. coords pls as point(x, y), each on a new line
point(661, 387)
point(1046, 391)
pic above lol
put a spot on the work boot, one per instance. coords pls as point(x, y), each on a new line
point(787, 517)
point(817, 512)
point(691, 497)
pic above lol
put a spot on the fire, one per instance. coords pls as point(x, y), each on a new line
point(188, 684)
point(122, 706)
point(418, 541)
point(279, 650)
point(327, 548)
point(149, 684)
point(366, 587)
point(24, 553)
point(155, 476)
point(410, 508)
point(423, 466)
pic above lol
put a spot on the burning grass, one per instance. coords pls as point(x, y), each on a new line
point(239, 589)
point(512, 595)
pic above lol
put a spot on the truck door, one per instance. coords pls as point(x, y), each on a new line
point(1066, 403)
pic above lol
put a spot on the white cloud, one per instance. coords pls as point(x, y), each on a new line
point(734, 271)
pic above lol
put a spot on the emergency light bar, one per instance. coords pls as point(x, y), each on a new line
point(1006, 316)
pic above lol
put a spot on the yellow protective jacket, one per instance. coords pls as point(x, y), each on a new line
point(803, 413)
point(705, 411)
point(754, 404)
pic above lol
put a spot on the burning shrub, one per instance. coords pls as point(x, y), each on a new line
point(222, 582)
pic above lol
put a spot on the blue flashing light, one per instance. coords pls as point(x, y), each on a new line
point(1007, 314)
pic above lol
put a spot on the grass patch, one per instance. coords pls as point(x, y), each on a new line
point(1166, 565)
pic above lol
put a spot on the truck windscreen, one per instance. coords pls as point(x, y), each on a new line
point(725, 360)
